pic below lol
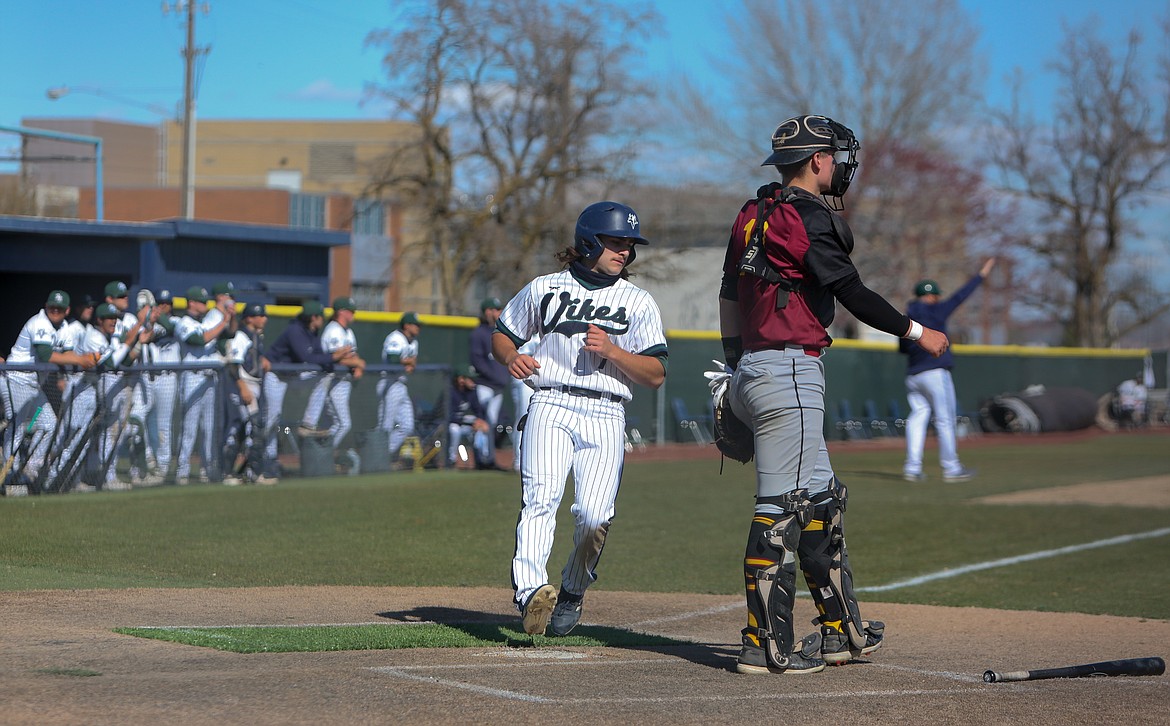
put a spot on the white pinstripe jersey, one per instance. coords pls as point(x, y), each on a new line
point(335, 337)
point(188, 326)
point(37, 331)
point(559, 309)
point(396, 347)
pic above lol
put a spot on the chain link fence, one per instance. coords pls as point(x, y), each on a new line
point(69, 430)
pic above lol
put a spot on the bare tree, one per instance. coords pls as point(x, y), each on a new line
point(902, 74)
point(903, 80)
point(517, 103)
point(17, 196)
point(1103, 157)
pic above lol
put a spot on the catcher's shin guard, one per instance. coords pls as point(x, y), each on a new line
point(824, 560)
point(770, 574)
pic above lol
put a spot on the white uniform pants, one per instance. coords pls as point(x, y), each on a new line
point(395, 412)
point(198, 418)
point(564, 433)
point(931, 391)
point(521, 395)
point(23, 397)
point(165, 392)
point(491, 400)
point(274, 390)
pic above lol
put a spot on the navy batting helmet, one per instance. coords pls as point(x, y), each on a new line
point(611, 219)
point(800, 137)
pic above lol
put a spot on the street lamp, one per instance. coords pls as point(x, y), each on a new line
point(187, 183)
point(58, 92)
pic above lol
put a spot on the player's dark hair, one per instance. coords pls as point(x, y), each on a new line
point(569, 255)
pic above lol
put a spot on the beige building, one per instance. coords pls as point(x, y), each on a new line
point(312, 157)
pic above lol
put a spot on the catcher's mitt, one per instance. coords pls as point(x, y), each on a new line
point(732, 436)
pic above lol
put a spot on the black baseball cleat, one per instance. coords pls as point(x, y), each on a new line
point(567, 613)
point(753, 660)
point(837, 649)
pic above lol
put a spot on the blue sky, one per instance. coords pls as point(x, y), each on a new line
point(307, 59)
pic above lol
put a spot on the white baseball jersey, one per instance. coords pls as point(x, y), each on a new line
point(188, 326)
point(95, 341)
point(396, 347)
point(38, 330)
point(127, 321)
point(164, 346)
point(559, 309)
point(237, 352)
point(68, 336)
point(336, 336)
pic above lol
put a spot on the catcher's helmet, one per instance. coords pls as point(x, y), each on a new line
point(611, 219)
point(800, 137)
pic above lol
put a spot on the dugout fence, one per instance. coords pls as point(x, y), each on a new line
point(65, 429)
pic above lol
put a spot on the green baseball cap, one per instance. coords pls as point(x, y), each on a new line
point(344, 303)
point(106, 311)
point(198, 294)
point(926, 287)
point(117, 288)
point(410, 318)
point(253, 310)
point(57, 299)
point(311, 308)
point(491, 303)
point(223, 288)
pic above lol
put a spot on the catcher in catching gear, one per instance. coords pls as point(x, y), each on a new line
point(787, 265)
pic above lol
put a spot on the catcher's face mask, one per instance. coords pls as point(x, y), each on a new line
point(844, 148)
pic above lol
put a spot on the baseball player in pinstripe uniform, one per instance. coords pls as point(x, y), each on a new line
point(396, 411)
point(164, 350)
point(22, 394)
point(338, 337)
point(105, 395)
point(133, 330)
point(599, 335)
point(198, 332)
point(246, 366)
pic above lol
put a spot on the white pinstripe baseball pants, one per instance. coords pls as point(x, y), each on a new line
point(566, 433)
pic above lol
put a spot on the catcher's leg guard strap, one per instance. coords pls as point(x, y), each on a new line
point(824, 558)
point(770, 566)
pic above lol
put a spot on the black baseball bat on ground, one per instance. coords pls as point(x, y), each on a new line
point(1125, 667)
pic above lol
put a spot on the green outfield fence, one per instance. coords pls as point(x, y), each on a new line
point(857, 372)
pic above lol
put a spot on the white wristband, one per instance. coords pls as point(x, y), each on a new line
point(915, 331)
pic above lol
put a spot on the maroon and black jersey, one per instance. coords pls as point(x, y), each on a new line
point(803, 242)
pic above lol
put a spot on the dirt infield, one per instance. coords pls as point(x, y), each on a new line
point(62, 664)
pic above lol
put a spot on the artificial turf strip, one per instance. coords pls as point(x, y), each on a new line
point(317, 638)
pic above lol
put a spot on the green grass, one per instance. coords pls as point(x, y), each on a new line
point(317, 638)
point(680, 527)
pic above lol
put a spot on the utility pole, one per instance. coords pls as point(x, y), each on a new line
point(190, 55)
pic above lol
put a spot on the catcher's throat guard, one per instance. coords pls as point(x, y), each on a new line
point(776, 582)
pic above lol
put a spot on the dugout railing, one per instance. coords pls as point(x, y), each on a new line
point(65, 429)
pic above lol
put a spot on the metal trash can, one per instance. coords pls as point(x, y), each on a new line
point(317, 456)
point(374, 448)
